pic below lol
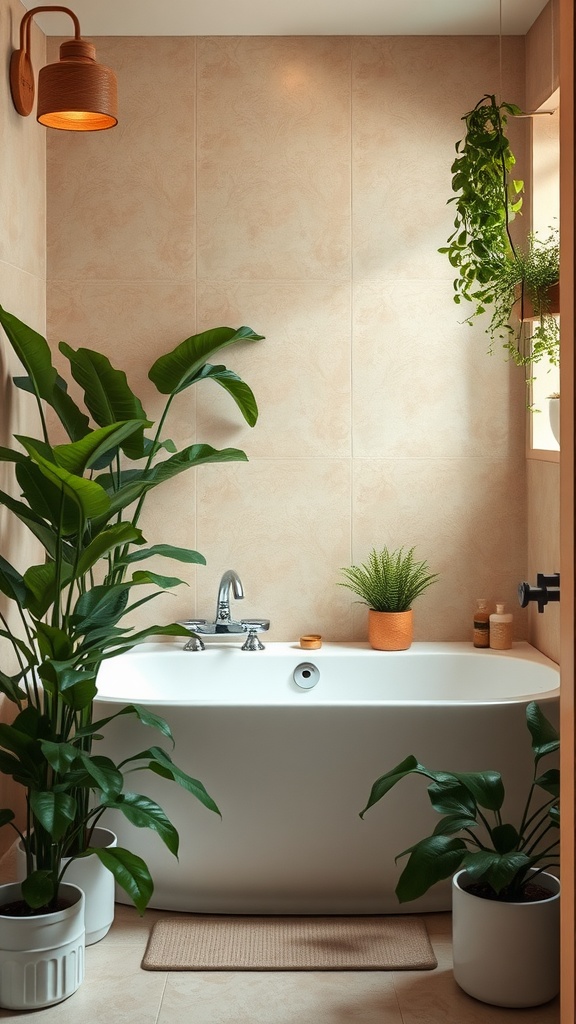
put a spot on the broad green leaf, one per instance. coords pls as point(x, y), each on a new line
point(505, 838)
point(74, 421)
point(498, 870)
point(130, 872)
point(430, 861)
point(12, 584)
point(453, 823)
point(60, 756)
point(53, 642)
point(103, 774)
point(54, 811)
point(385, 783)
point(545, 739)
point(145, 813)
point(166, 551)
point(107, 394)
point(195, 455)
point(173, 372)
point(100, 606)
point(39, 889)
point(46, 499)
point(40, 581)
point(162, 764)
point(90, 499)
point(33, 352)
point(236, 388)
point(31, 520)
point(449, 796)
point(550, 782)
point(78, 456)
point(486, 788)
point(106, 541)
point(142, 577)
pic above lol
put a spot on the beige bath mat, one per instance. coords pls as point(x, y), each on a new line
point(214, 942)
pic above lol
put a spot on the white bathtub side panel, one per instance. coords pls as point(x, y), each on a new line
point(290, 783)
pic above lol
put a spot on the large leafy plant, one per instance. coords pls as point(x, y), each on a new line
point(82, 499)
point(501, 858)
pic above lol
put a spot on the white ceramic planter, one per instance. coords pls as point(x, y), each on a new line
point(554, 417)
point(41, 957)
point(507, 954)
point(94, 879)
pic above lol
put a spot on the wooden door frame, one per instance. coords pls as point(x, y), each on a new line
point(567, 524)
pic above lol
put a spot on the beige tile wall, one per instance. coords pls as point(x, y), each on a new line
point(299, 185)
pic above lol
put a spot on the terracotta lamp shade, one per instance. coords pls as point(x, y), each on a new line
point(74, 94)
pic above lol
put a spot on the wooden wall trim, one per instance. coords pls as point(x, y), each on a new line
point(567, 525)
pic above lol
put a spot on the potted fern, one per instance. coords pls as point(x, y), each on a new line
point(389, 582)
point(82, 500)
point(505, 902)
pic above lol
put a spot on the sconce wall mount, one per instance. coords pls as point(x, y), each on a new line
point(74, 94)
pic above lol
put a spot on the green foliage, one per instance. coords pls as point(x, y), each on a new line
point(503, 856)
point(390, 580)
point(492, 272)
point(82, 500)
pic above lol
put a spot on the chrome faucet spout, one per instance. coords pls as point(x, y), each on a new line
point(230, 581)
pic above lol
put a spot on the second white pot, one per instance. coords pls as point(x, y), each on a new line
point(94, 879)
point(507, 954)
point(41, 956)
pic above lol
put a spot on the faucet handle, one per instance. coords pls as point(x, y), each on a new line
point(255, 625)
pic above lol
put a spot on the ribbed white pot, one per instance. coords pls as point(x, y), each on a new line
point(94, 879)
point(507, 954)
point(41, 957)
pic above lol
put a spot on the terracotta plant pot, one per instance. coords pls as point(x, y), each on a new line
point(552, 306)
point(390, 631)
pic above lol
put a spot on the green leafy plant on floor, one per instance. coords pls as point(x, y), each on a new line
point(82, 500)
point(500, 858)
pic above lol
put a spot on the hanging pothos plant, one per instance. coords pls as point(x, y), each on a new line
point(493, 272)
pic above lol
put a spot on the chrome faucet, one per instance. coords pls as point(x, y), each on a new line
point(224, 624)
point(230, 580)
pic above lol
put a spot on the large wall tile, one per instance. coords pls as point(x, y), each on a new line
point(274, 158)
point(300, 373)
point(122, 201)
point(284, 525)
point(409, 95)
point(423, 383)
point(464, 516)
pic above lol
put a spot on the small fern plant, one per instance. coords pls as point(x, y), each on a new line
point(389, 581)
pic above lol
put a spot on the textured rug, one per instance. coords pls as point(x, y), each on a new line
point(214, 942)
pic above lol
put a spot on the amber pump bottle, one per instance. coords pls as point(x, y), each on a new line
point(481, 629)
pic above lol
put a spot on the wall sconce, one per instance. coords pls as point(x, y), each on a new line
point(75, 94)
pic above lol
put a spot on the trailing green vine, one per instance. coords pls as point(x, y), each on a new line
point(493, 272)
point(487, 200)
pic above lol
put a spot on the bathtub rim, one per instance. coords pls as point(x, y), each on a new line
point(520, 651)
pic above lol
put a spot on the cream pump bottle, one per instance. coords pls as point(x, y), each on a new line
point(501, 629)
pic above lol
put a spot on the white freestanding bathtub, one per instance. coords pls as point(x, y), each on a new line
point(290, 768)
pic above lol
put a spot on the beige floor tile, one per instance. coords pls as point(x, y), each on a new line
point(280, 998)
